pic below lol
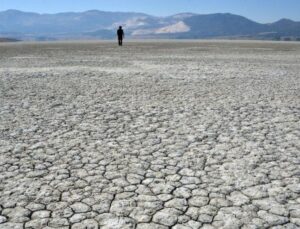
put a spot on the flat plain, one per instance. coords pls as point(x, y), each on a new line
point(151, 135)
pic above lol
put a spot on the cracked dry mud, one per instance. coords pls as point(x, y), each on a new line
point(151, 135)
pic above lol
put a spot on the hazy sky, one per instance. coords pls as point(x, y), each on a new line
point(259, 10)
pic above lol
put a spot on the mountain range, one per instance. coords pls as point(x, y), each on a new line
point(96, 24)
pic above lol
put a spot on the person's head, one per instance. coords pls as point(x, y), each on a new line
point(120, 27)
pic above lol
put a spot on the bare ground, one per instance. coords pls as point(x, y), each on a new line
point(150, 135)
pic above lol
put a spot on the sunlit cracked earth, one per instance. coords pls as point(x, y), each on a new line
point(160, 135)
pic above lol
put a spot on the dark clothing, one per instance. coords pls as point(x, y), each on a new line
point(120, 41)
point(120, 34)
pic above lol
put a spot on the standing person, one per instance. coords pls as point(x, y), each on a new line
point(121, 35)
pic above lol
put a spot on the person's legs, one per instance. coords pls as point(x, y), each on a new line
point(120, 42)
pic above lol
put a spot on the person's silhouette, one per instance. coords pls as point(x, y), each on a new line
point(121, 35)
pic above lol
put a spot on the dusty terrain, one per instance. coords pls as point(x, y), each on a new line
point(150, 135)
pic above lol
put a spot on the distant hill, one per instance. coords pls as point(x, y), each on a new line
point(229, 25)
point(222, 25)
point(96, 24)
point(4, 39)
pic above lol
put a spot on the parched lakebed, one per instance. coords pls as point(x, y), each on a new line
point(151, 135)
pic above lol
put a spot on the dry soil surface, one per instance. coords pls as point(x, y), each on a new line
point(151, 135)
